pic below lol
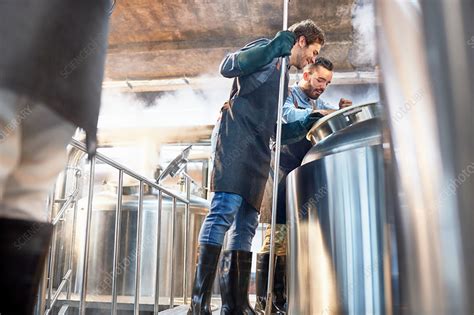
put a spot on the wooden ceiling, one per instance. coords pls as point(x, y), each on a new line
point(160, 39)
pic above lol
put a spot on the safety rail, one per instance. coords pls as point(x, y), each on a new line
point(72, 200)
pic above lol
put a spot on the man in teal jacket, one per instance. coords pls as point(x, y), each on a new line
point(242, 162)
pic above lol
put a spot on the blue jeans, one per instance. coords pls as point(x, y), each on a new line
point(229, 210)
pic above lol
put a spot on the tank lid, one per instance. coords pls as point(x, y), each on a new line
point(341, 119)
point(365, 133)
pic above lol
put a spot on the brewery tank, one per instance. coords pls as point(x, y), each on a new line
point(102, 244)
point(338, 233)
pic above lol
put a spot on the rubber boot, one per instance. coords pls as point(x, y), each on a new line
point(234, 282)
point(206, 267)
point(24, 246)
point(261, 283)
point(279, 285)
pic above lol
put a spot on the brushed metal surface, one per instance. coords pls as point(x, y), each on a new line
point(341, 119)
point(102, 245)
point(338, 247)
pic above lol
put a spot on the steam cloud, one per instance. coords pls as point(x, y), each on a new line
point(185, 107)
point(363, 53)
point(358, 93)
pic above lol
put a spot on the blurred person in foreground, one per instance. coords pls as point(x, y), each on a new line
point(242, 162)
point(302, 104)
point(51, 70)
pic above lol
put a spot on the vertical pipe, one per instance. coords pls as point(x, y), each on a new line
point(186, 241)
point(71, 250)
point(77, 175)
point(276, 168)
point(82, 302)
point(41, 305)
point(52, 262)
point(118, 221)
point(173, 222)
point(44, 289)
point(49, 265)
point(138, 250)
point(158, 240)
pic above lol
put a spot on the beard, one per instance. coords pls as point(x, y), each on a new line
point(311, 93)
point(316, 96)
point(300, 61)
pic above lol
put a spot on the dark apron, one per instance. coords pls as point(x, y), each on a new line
point(242, 157)
point(291, 156)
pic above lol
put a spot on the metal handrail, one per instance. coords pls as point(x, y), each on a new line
point(65, 279)
point(68, 201)
point(122, 169)
point(81, 146)
point(72, 199)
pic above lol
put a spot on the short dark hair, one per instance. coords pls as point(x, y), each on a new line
point(320, 62)
point(324, 62)
point(311, 32)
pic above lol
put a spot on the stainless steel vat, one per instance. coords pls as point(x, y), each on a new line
point(102, 245)
point(339, 255)
point(428, 86)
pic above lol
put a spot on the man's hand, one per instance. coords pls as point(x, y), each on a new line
point(281, 45)
point(344, 103)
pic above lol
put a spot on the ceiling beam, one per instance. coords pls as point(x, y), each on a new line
point(173, 84)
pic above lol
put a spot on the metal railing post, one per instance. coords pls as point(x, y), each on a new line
point(186, 241)
point(44, 284)
point(78, 174)
point(71, 250)
point(118, 220)
point(158, 247)
point(138, 250)
point(82, 302)
point(65, 279)
point(51, 266)
point(173, 223)
point(52, 248)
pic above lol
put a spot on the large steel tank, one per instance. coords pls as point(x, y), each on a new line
point(428, 86)
point(102, 245)
point(338, 251)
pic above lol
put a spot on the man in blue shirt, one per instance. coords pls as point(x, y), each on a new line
point(305, 94)
point(302, 101)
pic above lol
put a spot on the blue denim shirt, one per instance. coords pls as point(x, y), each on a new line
point(298, 105)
